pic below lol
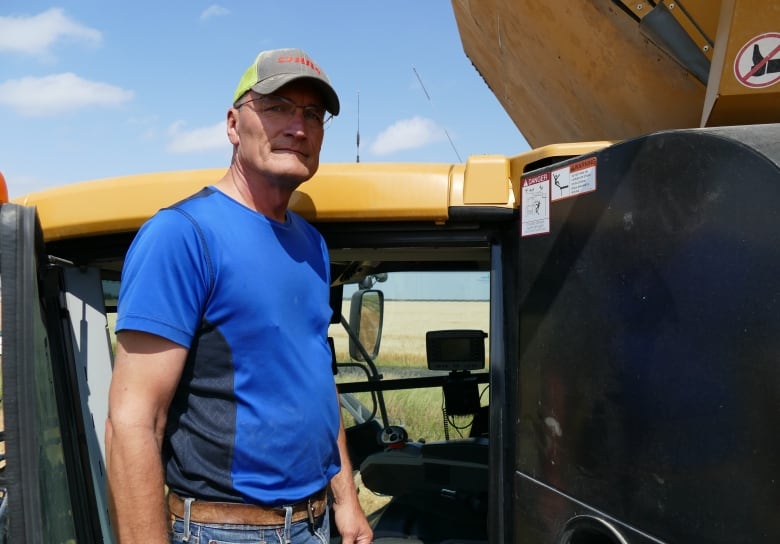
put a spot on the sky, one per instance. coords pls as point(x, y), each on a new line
point(92, 89)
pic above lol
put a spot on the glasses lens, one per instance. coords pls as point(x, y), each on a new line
point(278, 107)
point(273, 105)
point(315, 114)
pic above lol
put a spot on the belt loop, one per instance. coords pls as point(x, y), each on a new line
point(187, 508)
point(288, 511)
point(310, 512)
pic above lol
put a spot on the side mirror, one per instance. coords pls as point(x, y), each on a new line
point(366, 310)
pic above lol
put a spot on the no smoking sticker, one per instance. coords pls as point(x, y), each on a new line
point(757, 64)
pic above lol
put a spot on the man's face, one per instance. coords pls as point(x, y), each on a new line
point(282, 147)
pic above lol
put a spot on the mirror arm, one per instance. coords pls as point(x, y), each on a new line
point(370, 378)
point(374, 376)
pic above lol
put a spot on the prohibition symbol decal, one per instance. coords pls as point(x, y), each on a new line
point(758, 62)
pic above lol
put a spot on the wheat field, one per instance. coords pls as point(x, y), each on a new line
point(406, 322)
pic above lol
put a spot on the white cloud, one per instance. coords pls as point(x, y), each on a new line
point(35, 34)
point(214, 10)
point(59, 93)
point(407, 134)
point(198, 139)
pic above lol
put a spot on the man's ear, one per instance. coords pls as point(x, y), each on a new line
point(232, 126)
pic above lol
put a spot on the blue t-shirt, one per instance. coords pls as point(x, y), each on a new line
point(255, 417)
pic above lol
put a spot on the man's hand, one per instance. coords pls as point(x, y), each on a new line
point(352, 524)
point(349, 517)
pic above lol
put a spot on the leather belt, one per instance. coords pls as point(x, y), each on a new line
point(232, 513)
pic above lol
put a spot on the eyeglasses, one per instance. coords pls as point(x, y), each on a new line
point(275, 107)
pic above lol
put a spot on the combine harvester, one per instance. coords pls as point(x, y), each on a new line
point(648, 378)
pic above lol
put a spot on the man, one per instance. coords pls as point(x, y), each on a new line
point(222, 387)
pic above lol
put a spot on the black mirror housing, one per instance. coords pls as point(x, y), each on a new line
point(366, 311)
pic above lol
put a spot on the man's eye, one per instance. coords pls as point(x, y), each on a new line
point(314, 113)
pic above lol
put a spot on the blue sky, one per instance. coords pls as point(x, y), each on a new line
point(92, 89)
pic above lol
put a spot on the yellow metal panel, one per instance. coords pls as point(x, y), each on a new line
point(638, 8)
point(704, 13)
point(583, 70)
point(699, 19)
point(339, 192)
point(576, 70)
point(486, 180)
point(112, 205)
point(375, 192)
point(733, 95)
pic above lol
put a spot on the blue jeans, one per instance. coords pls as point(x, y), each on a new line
point(300, 532)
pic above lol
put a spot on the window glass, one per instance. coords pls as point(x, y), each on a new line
point(54, 489)
point(43, 473)
point(414, 303)
point(110, 298)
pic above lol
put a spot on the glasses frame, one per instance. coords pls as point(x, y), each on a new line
point(293, 107)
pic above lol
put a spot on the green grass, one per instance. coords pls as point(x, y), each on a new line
point(419, 411)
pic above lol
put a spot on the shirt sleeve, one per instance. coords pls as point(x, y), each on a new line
point(166, 279)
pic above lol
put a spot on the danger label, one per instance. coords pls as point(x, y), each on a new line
point(757, 64)
point(574, 179)
point(535, 205)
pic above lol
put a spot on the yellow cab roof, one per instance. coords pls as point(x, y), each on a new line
point(339, 192)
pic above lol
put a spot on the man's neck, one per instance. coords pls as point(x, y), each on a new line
point(263, 196)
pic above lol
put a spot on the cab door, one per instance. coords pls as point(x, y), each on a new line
point(52, 482)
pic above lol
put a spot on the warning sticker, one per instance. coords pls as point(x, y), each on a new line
point(574, 179)
point(535, 205)
point(757, 64)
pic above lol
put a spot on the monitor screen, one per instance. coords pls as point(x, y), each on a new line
point(455, 349)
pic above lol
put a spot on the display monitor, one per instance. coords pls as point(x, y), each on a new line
point(455, 349)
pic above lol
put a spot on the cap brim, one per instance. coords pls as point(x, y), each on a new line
point(274, 83)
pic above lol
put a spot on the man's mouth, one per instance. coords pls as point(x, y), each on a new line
point(290, 150)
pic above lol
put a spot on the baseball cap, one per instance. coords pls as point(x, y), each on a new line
point(273, 69)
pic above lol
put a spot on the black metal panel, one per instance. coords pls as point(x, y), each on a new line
point(504, 394)
point(649, 373)
point(23, 420)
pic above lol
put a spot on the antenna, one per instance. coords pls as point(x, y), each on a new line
point(358, 127)
point(431, 103)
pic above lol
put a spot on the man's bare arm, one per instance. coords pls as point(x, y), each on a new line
point(147, 369)
point(350, 519)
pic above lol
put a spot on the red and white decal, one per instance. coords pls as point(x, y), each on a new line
point(757, 64)
point(573, 180)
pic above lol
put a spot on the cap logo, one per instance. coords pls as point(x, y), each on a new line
point(300, 60)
